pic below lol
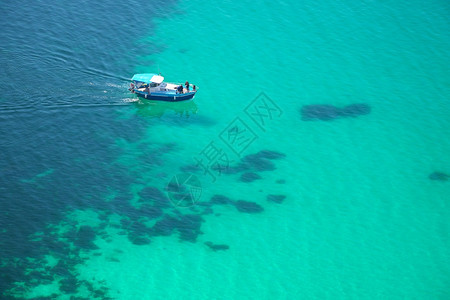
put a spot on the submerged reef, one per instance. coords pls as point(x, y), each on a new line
point(249, 177)
point(248, 207)
point(260, 161)
point(439, 176)
point(216, 247)
point(326, 112)
point(188, 226)
point(154, 197)
point(220, 199)
point(240, 205)
point(354, 110)
point(320, 112)
point(276, 198)
point(248, 166)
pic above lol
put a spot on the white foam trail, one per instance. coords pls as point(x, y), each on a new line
point(130, 100)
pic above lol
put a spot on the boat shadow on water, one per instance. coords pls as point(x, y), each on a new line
point(182, 114)
point(158, 109)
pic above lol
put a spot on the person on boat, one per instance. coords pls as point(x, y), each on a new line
point(180, 89)
point(187, 86)
point(193, 87)
point(131, 87)
point(147, 90)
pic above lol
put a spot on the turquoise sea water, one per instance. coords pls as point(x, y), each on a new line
point(84, 207)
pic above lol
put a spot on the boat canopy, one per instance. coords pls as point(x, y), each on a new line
point(148, 78)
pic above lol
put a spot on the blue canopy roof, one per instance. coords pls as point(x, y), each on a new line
point(148, 77)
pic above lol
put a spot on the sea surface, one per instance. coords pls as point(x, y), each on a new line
point(313, 162)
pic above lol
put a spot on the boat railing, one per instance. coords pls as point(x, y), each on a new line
point(142, 89)
point(191, 87)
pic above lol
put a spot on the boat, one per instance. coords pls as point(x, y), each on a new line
point(152, 87)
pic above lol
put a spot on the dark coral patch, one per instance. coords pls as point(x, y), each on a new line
point(85, 237)
point(188, 226)
point(138, 228)
point(190, 168)
point(203, 203)
point(260, 161)
point(165, 148)
point(189, 120)
point(322, 112)
point(208, 211)
point(121, 204)
point(165, 226)
point(41, 276)
point(217, 247)
point(219, 200)
point(139, 240)
point(125, 222)
point(230, 169)
point(257, 162)
point(327, 112)
point(154, 196)
point(184, 190)
point(138, 233)
point(270, 154)
point(69, 285)
point(249, 177)
point(248, 207)
point(276, 198)
point(354, 110)
point(61, 268)
point(439, 176)
point(151, 212)
point(182, 196)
